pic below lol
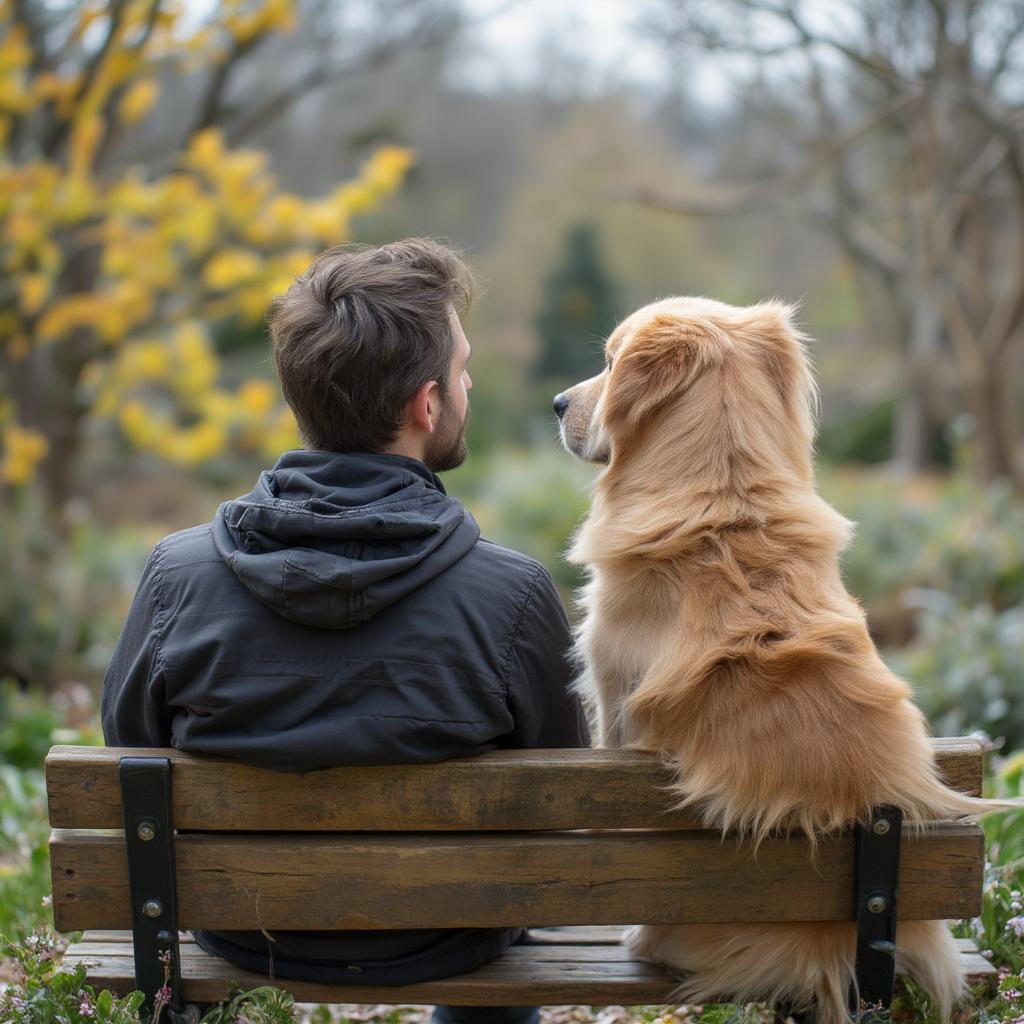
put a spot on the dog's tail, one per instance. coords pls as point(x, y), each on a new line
point(926, 798)
point(803, 965)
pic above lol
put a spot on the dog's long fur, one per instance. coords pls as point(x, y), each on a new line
point(717, 630)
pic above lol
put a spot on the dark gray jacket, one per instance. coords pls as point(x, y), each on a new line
point(346, 611)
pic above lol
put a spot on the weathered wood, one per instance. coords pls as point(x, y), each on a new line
point(314, 882)
point(565, 974)
point(509, 790)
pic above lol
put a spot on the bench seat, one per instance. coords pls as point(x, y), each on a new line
point(558, 967)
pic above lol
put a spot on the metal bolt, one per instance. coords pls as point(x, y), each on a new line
point(876, 904)
point(146, 830)
point(152, 908)
point(880, 827)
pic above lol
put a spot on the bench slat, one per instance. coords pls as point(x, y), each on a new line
point(514, 790)
point(234, 881)
point(520, 977)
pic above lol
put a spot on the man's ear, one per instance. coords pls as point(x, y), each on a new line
point(660, 360)
point(425, 407)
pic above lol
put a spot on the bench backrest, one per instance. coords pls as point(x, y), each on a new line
point(486, 841)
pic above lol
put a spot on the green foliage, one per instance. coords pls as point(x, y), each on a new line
point(578, 311)
point(965, 663)
point(867, 438)
point(1000, 928)
point(949, 536)
point(62, 598)
point(265, 1005)
point(24, 857)
point(530, 500)
point(29, 725)
point(45, 993)
point(1008, 1005)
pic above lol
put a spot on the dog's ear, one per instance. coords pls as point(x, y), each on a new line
point(661, 359)
point(781, 350)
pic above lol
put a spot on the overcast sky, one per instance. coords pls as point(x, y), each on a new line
point(511, 42)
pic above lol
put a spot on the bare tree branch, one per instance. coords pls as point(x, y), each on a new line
point(60, 128)
point(261, 114)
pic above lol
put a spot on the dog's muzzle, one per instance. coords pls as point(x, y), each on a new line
point(560, 404)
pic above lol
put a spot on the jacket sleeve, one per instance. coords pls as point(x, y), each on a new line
point(544, 706)
point(133, 706)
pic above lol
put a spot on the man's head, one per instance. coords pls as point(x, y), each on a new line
point(371, 352)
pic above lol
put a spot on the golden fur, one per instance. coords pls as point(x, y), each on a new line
point(717, 630)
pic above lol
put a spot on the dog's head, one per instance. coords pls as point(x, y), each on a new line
point(703, 383)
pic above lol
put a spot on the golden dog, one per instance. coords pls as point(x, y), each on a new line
point(717, 630)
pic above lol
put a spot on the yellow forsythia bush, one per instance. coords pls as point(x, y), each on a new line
point(113, 277)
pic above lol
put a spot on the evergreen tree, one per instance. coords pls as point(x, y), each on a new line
point(578, 311)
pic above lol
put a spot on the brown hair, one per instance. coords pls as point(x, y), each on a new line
point(360, 331)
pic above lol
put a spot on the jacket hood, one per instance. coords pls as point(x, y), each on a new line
point(330, 539)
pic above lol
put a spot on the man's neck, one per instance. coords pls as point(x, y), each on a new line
point(406, 444)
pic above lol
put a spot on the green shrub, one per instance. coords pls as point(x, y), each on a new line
point(29, 725)
point(947, 535)
point(24, 856)
point(45, 993)
point(62, 598)
point(1000, 928)
point(965, 664)
point(530, 500)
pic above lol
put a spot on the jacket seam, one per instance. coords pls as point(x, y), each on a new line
point(161, 610)
point(514, 633)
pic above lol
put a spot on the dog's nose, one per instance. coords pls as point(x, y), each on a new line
point(561, 403)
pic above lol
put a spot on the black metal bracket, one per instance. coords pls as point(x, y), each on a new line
point(152, 876)
point(878, 875)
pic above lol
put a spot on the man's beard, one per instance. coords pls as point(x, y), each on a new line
point(447, 448)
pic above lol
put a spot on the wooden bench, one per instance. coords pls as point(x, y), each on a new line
point(487, 841)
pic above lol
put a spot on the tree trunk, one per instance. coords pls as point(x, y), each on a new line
point(993, 447)
point(913, 422)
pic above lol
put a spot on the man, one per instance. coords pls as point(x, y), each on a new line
point(346, 611)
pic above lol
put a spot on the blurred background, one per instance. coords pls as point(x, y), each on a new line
point(166, 167)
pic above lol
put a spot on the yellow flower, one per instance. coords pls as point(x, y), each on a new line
point(81, 310)
point(218, 406)
point(24, 449)
point(75, 200)
point(144, 361)
point(386, 169)
point(282, 436)
point(355, 197)
point(256, 397)
point(33, 289)
point(139, 427)
point(206, 149)
point(196, 364)
point(193, 445)
point(138, 100)
point(229, 268)
point(327, 221)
